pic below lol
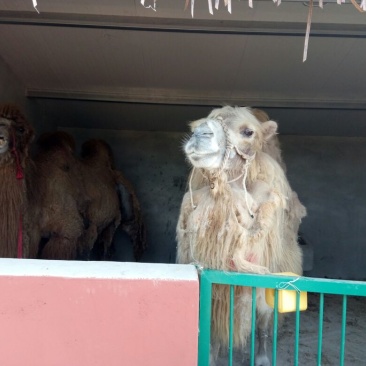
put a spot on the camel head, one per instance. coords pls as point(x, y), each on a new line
point(15, 133)
point(227, 133)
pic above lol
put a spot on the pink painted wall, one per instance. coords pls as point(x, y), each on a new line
point(84, 313)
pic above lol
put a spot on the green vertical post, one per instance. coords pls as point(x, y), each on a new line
point(275, 328)
point(231, 325)
point(204, 338)
point(320, 329)
point(254, 313)
point(297, 329)
point(343, 333)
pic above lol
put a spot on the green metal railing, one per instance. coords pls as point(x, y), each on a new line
point(314, 285)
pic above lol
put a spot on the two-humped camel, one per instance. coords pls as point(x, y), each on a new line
point(56, 205)
point(84, 200)
point(240, 214)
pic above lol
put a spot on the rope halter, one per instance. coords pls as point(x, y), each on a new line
point(229, 147)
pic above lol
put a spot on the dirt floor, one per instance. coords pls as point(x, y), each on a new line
point(355, 349)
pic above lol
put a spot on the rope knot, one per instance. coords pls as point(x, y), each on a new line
point(289, 284)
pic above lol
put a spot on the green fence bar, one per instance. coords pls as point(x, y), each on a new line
point(315, 285)
point(320, 329)
point(297, 330)
point(275, 329)
point(205, 321)
point(327, 286)
point(254, 314)
point(231, 326)
point(343, 332)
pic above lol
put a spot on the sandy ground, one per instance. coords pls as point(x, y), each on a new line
point(355, 351)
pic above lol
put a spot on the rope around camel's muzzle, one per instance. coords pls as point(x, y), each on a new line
point(229, 147)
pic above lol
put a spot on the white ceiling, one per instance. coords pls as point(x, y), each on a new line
point(120, 51)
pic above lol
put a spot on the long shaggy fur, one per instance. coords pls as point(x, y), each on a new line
point(62, 199)
point(17, 133)
point(218, 232)
point(12, 196)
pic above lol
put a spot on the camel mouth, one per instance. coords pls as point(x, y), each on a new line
point(199, 155)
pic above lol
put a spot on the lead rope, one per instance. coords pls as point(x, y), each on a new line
point(248, 160)
point(246, 166)
point(190, 189)
point(19, 176)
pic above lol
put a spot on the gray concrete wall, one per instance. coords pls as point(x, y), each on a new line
point(159, 117)
point(12, 90)
point(327, 172)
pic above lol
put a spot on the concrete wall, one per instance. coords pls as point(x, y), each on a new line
point(174, 118)
point(97, 313)
point(327, 172)
point(12, 90)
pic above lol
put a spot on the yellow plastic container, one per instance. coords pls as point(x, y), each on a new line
point(287, 296)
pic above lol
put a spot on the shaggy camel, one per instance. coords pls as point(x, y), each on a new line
point(112, 201)
point(62, 199)
point(240, 214)
point(46, 203)
point(81, 207)
point(16, 175)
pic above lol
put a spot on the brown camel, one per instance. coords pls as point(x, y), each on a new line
point(62, 199)
point(112, 201)
point(16, 190)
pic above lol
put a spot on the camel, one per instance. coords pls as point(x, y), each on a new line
point(112, 201)
point(54, 204)
point(62, 200)
point(81, 206)
point(16, 174)
point(240, 214)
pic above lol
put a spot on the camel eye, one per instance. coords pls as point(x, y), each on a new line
point(247, 132)
point(20, 130)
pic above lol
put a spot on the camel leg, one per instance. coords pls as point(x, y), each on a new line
point(59, 248)
point(106, 238)
point(264, 316)
point(214, 353)
point(87, 241)
point(33, 245)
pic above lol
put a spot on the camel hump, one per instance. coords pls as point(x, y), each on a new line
point(56, 140)
point(98, 150)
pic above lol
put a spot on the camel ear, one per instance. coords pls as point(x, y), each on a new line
point(260, 115)
point(269, 129)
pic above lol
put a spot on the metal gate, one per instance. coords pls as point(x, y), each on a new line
point(303, 284)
